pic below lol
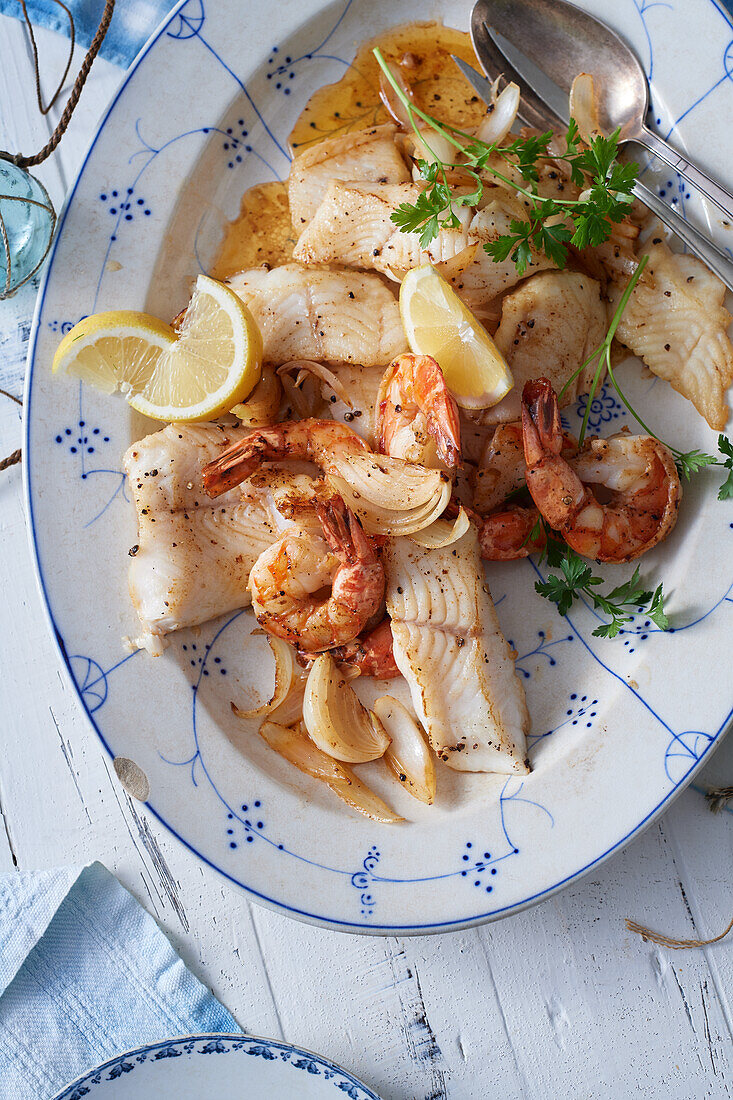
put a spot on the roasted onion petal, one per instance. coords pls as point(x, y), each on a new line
point(286, 701)
point(443, 531)
point(431, 146)
point(391, 100)
point(284, 675)
point(336, 719)
point(390, 496)
point(262, 405)
point(583, 107)
point(310, 366)
point(500, 119)
point(408, 756)
point(305, 400)
point(297, 748)
point(457, 264)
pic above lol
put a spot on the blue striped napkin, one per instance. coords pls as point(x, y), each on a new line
point(85, 974)
point(132, 23)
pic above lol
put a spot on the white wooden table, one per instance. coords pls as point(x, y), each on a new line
point(559, 1001)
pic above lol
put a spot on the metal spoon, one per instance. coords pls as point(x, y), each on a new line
point(562, 41)
point(534, 110)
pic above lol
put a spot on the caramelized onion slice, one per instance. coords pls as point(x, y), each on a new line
point(408, 756)
point(336, 719)
point(442, 532)
point(391, 100)
point(502, 113)
point(390, 496)
point(284, 674)
point(583, 107)
point(287, 695)
point(261, 407)
point(297, 748)
point(305, 367)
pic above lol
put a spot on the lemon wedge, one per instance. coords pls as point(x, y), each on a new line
point(211, 363)
point(437, 323)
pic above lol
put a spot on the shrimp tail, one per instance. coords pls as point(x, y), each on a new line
point(554, 487)
point(372, 653)
point(446, 431)
point(235, 464)
point(510, 532)
point(414, 401)
point(343, 532)
point(541, 424)
point(361, 579)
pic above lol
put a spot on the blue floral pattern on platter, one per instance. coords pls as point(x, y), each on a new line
point(264, 1050)
point(518, 819)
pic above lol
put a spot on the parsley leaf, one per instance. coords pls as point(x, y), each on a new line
point(689, 462)
point(725, 492)
point(571, 139)
point(577, 579)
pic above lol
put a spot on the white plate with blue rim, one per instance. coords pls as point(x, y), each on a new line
point(618, 726)
point(228, 1067)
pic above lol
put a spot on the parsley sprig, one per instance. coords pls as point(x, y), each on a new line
point(576, 579)
point(553, 224)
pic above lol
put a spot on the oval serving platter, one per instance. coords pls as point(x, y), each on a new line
point(618, 727)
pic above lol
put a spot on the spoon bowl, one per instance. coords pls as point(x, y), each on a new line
point(562, 41)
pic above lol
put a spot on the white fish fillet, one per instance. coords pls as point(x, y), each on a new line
point(549, 326)
point(335, 316)
point(193, 555)
point(486, 278)
point(362, 155)
point(450, 649)
point(676, 321)
point(352, 226)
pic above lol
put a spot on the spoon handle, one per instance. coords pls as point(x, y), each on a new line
point(688, 170)
point(700, 245)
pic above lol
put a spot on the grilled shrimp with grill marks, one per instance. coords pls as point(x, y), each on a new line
point(287, 580)
point(637, 472)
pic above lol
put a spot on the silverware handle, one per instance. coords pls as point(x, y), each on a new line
point(688, 170)
point(718, 262)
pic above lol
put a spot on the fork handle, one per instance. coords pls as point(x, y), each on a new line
point(700, 245)
point(688, 170)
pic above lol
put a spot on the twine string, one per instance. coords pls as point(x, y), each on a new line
point(48, 148)
point(14, 458)
point(34, 47)
point(669, 941)
point(11, 460)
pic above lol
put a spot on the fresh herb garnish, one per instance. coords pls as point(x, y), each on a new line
point(552, 223)
point(576, 579)
point(725, 492)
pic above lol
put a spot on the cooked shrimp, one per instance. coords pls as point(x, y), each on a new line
point(312, 440)
point(501, 467)
point(287, 578)
point(637, 472)
point(416, 414)
point(371, 653)
point(506, 534)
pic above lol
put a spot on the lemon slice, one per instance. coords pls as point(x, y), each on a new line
point(437, 323)
point(213, 362)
